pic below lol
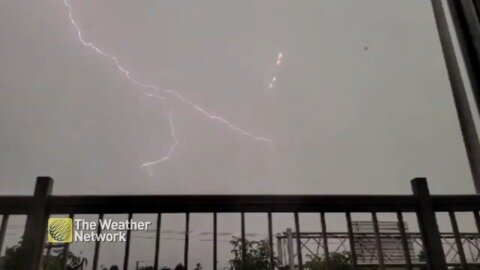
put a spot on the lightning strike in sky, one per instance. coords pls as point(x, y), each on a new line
point(148, 165)
point(274, 78)
point(151, 87)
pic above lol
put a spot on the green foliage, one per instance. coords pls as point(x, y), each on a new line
point(13, 257)
point(257, 255)
point(338, 261)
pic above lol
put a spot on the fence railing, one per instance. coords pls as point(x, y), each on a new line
point(42, 204)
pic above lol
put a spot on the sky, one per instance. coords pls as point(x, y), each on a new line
point(361, 102)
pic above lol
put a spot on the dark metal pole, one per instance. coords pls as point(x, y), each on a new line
point(427, 223)
point(351, 239)
point(187, 239)
point(157, 240)
point(244, 242)
point(215, 241)
point(469, 133)
point(270, 241)
point(66, 249)
point(378, 241)
point(299, 241)
point(325, 240)
point(403, 234)
point(458, 240)
point(36, 226)
point(3, 230)
point(127, 246)
point(467, 27)
point(97, 243)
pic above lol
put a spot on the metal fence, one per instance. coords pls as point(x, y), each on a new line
point(42, 204)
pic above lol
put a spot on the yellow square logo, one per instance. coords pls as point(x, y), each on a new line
point(60, 230)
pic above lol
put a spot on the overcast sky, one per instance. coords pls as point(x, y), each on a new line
point(361, 101)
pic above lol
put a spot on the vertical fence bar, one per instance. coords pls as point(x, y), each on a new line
point(477, 7)
point(270, 241)
point(403, 235)
point(158, 234)
point(378, 241)
point(290, 249)
point(96, 253)
point(351, 238)
point(458, 241)
point(467, 28)
point(244, 244)
point(464, 112)
point(66, 249)
point(36, 225)
point(187, 239)
point(427, 222)
point(47, 256)
point(299, 241)
point(3, 230)
point(127, 246)
point(477, 220)
point(280, 252)
point(325, 240)
point(215, 241)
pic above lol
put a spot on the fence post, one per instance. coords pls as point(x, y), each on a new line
point(36, 225)
point(427, 222)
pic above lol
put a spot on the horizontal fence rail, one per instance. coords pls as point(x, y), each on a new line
point(17, 205)
point(371, 248)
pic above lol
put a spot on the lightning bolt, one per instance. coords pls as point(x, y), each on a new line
point(278, 63)
point(148, 165)
point(152, 87)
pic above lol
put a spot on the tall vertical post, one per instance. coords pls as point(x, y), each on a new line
point(325, 241)
point(187, 239)
point(96, 252)
point(378, 241)
point(290, 249)
point(244, 242)
point(406, 249)
point(3, 230)
point(464, 112)
point(466, 21)
point(36, 225)
point(280, 251)
point(299, 241)
point(458, 240)
point(270, 241)
point(351, 239)
point(427, 223)
point(126, 256)
point(158, 235)
point(215, 259)
point(66, 250)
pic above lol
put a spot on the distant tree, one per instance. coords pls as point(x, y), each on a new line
point(13, 257)
point(422, 257)
point(179, 267)
point(257, 255)
point(114, 267)
point(338, 261)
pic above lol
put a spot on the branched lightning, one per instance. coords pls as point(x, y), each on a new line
point(151, 88)
point(148, 165)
